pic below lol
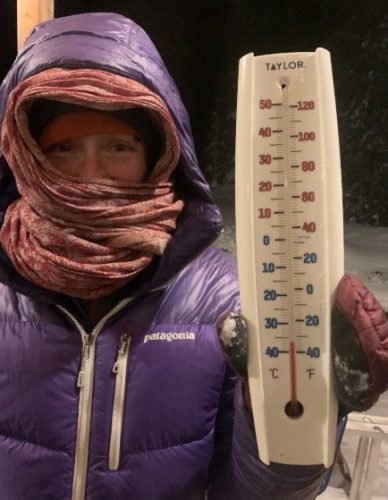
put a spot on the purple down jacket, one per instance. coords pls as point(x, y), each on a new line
point(141, 405)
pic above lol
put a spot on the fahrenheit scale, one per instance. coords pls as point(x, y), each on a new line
point(290, 249)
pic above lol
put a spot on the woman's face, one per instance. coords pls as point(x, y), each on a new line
point(113, 156)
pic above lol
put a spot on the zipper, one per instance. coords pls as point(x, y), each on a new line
point(120, 371)
point(85, 382)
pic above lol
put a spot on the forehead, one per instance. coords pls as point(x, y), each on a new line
point(99, 138)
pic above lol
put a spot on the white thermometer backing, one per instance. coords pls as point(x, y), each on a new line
point(290, 252)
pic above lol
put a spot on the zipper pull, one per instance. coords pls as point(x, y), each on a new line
point(123, 347)
point(85, 356)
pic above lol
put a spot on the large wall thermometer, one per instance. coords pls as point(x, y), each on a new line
point(290, 249)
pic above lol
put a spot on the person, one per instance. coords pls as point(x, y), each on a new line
point(113, 381)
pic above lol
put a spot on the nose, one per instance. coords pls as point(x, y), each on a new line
point(91, 163)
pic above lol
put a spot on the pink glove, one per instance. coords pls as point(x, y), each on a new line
point(360, 346)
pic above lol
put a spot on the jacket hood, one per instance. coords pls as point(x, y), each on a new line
point(89, 41)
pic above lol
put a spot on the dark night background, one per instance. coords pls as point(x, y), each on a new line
point(201, 42)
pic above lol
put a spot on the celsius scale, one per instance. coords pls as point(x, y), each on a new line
point(290, 249)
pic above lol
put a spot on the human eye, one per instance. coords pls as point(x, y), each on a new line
point(59, 148)
point(121, 146)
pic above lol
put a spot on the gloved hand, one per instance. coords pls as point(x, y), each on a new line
point(233, 337)
point(359, 346)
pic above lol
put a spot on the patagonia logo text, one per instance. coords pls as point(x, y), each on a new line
point(169, 336)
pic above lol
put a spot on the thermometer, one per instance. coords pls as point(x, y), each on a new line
point(290, 252)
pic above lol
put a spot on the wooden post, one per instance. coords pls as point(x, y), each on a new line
point(30, 13)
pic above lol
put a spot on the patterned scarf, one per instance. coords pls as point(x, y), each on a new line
point(84, 238)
